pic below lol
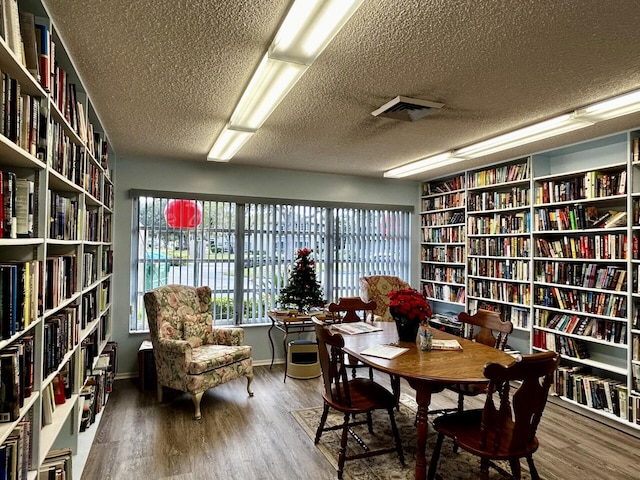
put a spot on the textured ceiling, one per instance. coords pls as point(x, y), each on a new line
point(164, 75)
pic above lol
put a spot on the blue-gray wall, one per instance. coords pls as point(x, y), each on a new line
point(227, 179)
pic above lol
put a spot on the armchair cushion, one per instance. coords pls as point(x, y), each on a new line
point(198, 329)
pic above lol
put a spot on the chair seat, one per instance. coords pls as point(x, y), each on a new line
point(210, 357)
point(464, 428)
point(366, 395)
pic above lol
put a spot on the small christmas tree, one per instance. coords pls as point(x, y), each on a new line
point(303, 290)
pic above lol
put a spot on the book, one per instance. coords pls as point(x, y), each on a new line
point(9, 386)
point(438, 344)
point(24, 207)
point(355, 328)
point(384, 351)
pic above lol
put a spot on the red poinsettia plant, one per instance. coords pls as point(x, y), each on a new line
point(409, 303)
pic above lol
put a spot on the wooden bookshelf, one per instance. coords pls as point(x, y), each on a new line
point(556, 251)
point(56, 275)
point(443, 252)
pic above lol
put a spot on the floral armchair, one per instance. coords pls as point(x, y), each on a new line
point(191, 355)
point(376, 288)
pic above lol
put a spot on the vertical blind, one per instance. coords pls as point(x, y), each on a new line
point(243, 251)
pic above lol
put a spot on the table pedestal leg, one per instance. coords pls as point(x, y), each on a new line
point(423, 398)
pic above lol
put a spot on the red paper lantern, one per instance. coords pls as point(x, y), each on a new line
point(183, 213)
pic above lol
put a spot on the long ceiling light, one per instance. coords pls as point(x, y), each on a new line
point(423, 165)
point(579, 118)
point(228, 143)
point(611, 108)
point(548, 128)
point(270, 84)
point(307, 29)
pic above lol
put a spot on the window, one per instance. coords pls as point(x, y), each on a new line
point(243, 250)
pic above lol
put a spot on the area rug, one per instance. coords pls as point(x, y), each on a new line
point(452, 466)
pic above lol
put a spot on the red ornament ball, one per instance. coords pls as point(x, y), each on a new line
point(183, 213)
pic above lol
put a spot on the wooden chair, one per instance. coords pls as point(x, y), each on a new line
point(354, 309)
point(485, 327)
point(506, 430)
point(350, 397)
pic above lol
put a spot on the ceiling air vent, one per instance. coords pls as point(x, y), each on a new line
point(406, 108)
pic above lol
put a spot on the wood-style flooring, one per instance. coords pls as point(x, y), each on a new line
point(257, 438)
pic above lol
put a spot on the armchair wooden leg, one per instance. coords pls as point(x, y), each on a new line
point(197, 397)
point(249, 380)
point(159, 392)
point(435, 457)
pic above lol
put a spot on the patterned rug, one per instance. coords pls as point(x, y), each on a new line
point(387, 467)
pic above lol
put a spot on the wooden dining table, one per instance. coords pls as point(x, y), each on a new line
point(427, 372)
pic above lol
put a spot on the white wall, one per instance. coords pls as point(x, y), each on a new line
point(227, 179)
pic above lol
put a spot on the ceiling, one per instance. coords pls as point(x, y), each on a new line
point(164, 76)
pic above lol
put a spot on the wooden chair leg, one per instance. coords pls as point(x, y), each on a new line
point(249, 380)
point(196, 398)
point(515, 468)
point(435, 457)
point(532, 468)
point(396, 436)
point(159, 392)
point(343, 446)
point(323, 419)
point(484, 469)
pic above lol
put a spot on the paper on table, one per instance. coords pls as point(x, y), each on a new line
point(384, 351)
point(445, 345)
point(354, 328)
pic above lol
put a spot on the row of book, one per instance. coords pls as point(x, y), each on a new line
point(22, 117)
point(17, 377)
point(592, 184)
point(502, 174)
point(511, 269)
point(600, 329)
point(63, 217)
point(587, 301)
point(573, 218)
point(499, 223)
point(444, 234)
point(20, 298)
point(449, 185)
point(56, 393)
point(89, 269)
point(500, 291)
point(440, 273)
point(100, 373)
point(442, 202)
point(443, 253)
point(515, 198)
point(590, 247)
point(60, 281)
point(448, 293)
point(588, 275)
point(567, 346)
point(500, 247)
point(17, 201)
point(61, 334)
point(577, 383)
point(16, 452)
point(448, 217)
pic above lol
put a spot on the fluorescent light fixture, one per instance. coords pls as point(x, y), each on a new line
point(309, 27)
point(548, 128)
point(270, 83)
point(611, 108)
point(423, 165)
point(228, 143)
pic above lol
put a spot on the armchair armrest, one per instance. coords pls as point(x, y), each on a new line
point(176, 352)
point(228, 336)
